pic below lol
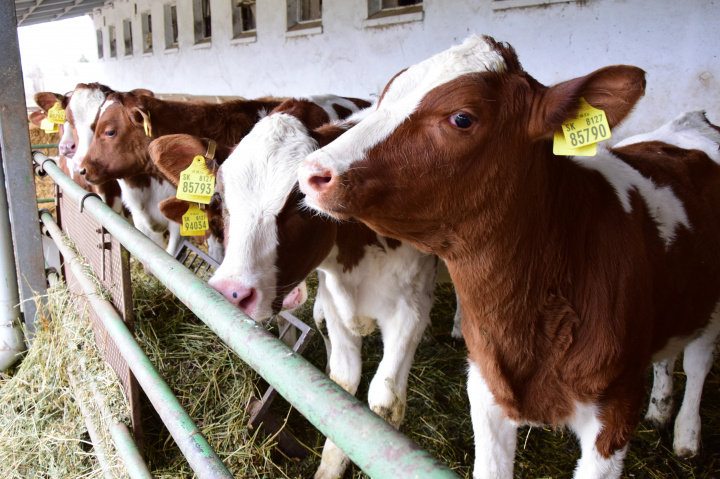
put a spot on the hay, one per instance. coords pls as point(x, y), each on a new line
point(42, 433)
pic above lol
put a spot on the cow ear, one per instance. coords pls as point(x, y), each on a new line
point(174, 153)
point(142, 92)
point(37, 117)
point(173, 209)
point(47, 100)
point(141, 119)
point(614, 90)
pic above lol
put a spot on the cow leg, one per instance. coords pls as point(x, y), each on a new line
point(345, 369)
point(697, 360)
point(401, 335)
point(216, 250)
point(174, 238)
point(457, 321)
point(660, 408)
point(319, 317)
point(592, 464)
point(495, 434)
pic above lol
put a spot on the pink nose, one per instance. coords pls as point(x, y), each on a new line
point(244, 298)
point(317, 179)
point(67, 149)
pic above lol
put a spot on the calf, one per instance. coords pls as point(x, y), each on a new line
point(365, 280)
point(126, 124)
point(109, 191)
point(573, 273)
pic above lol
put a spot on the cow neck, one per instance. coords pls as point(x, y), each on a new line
point(351, 238)
point(511, 287)
point(227, 122)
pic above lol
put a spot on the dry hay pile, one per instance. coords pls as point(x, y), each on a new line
point(42, 431)
point(44, 186)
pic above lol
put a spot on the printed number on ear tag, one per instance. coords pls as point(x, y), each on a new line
point(56, 114)
point(194, 222)
point(196, 183)
point(561, 148)
point(588, 127)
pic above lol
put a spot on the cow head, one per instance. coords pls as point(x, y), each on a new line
point(46, 100)
point(272, 241)
point(81, 111)
point(450, 141)
point(121, 135)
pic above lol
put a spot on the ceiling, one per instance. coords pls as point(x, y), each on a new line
point(31, 12)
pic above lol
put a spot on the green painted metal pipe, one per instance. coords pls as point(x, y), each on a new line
point(46, 200)
point(47, 145)
point(198, 452)
point(370, 442)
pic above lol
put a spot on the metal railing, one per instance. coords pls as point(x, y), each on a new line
point(369, 441)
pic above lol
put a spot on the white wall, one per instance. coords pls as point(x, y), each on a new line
point(676, 42)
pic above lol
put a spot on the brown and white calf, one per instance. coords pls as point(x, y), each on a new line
point(109, 191)
point(365, 280)
point(126, 124)
point(574, 273)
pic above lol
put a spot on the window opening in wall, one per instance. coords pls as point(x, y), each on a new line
point(386, 12)
point(100, 51)
point(304, 14)
point(146, 20)
point(386, 4)
point(201, 14)
point(112, 41)
point(507, 4)
point(171, 25)
point(243, 17)
point(127, 37)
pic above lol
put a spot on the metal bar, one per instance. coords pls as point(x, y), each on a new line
point(11, 338)
point(123, 440)
point(47, 145)
point(46, 200)
point(15, 139)
point(198, 452)
point(370, 442)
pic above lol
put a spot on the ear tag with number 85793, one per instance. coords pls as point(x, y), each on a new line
point(194, 222)
point(196, 183)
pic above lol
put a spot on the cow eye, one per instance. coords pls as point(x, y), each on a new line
point(461, 120)
point(110, 133)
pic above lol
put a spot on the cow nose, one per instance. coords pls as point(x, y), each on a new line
point(67, 149)
point(242, 297)
point(317, 178)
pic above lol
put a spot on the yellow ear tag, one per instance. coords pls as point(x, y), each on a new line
point(588, 127)
point(196, 183)
point(561, 148)
point(56, 114)
point(49, 126)
point(194, 222)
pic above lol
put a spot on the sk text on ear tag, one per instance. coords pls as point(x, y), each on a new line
point(589, 126)
point(49, 126)
point(56, 114)
point(196, 183)
point(194, 222)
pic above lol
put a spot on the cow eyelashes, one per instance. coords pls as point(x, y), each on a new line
point(461, 120)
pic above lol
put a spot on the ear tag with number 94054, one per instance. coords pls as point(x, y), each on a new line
point(194, 222)
point(589, 126)
point(196, 183)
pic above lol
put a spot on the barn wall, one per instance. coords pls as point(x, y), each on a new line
point(669, 39)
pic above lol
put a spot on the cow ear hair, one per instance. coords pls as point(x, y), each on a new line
point(174, 153)
point(173, 208)
point(47, 100)
point(37, 117)
point(614, 90)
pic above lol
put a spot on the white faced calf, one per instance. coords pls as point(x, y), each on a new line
point(365, 280)
point(573, 273)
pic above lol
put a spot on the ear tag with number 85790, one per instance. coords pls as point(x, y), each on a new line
point(196, 183)
point(588, 127)
point(194, 222)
